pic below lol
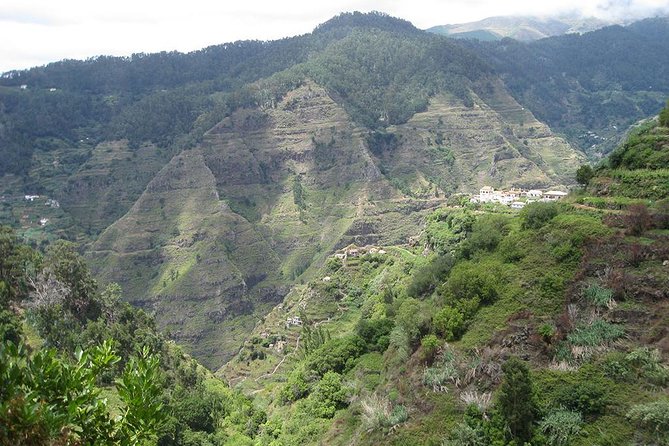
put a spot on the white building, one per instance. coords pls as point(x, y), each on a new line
point(554, 195)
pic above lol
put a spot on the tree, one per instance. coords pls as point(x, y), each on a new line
point(584, 174)
point(516, 400)
point(48, 399)
point(536, 215)
point(69, 268)
point(664, 116)
point(448, 322)
point(329, 395)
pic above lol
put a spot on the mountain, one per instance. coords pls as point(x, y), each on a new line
point(523, 28)
point(424, 341)
point(297, 215)
point(208, 184)
point(573, 83)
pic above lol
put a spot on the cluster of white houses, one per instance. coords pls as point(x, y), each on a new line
point(354, 251)
point(516, 198)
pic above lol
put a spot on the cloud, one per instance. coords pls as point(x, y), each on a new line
point(42, 30)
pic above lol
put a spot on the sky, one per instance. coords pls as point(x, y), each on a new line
point(36, 32)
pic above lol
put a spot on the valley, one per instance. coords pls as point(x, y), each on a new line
point(280, 234)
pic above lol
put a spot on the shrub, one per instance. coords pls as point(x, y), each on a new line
point(375, 332)
point(448, 322)
point(653, 418)
point(664, 116)
point(473, 280)
point(598, 333)
point(465, 435)
point(599, 296)
point(561, 426)
point(648, 365)
point(426, 277)
point(536, 215)
point(297, 386)
point(336, 355)
point(430, 344)
point(584, 174)
point(412, 318)
point(328, 396)
point(588, 397)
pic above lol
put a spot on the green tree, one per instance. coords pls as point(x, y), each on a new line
point(664, 116)
point(536, 215)
point(329, 395)
point(69, 268)
point(430, 344)
point(448, 322)
point(47, 399)
point(584, 174)
point(516, 400)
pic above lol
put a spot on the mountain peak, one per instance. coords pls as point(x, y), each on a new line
point(374, 19)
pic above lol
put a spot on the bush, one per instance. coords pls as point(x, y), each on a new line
point(653, 418)
point(588, 397)
point(473, 280)
point(584, 174)
point(664, 116)
point(426, 277)
point(561, 426)
point(536, 215)
point(430, 344)
point(375, 332)
point(448, 322)
point(336, 355)
point(598, 333)
point(328, 396)
point(297, 386)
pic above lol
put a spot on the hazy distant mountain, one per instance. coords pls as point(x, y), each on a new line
point(523, 28)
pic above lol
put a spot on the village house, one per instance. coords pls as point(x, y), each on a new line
point(553, 195)
point(486, 194)
point(293, 321)
point(31, 197)
point(353, 251)
point(511, 197)
point(534, 194)
point(43, 221)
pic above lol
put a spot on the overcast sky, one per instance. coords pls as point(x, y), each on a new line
point(35, 32)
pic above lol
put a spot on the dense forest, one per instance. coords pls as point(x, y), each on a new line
point(382, 68)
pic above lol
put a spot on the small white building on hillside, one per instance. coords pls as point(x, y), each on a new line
point(553, 195)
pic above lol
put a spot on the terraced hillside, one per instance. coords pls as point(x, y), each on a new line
point(221, 232)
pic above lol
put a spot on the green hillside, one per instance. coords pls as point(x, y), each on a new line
point(208, 184)
point(560, 308)
point(300, 234)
